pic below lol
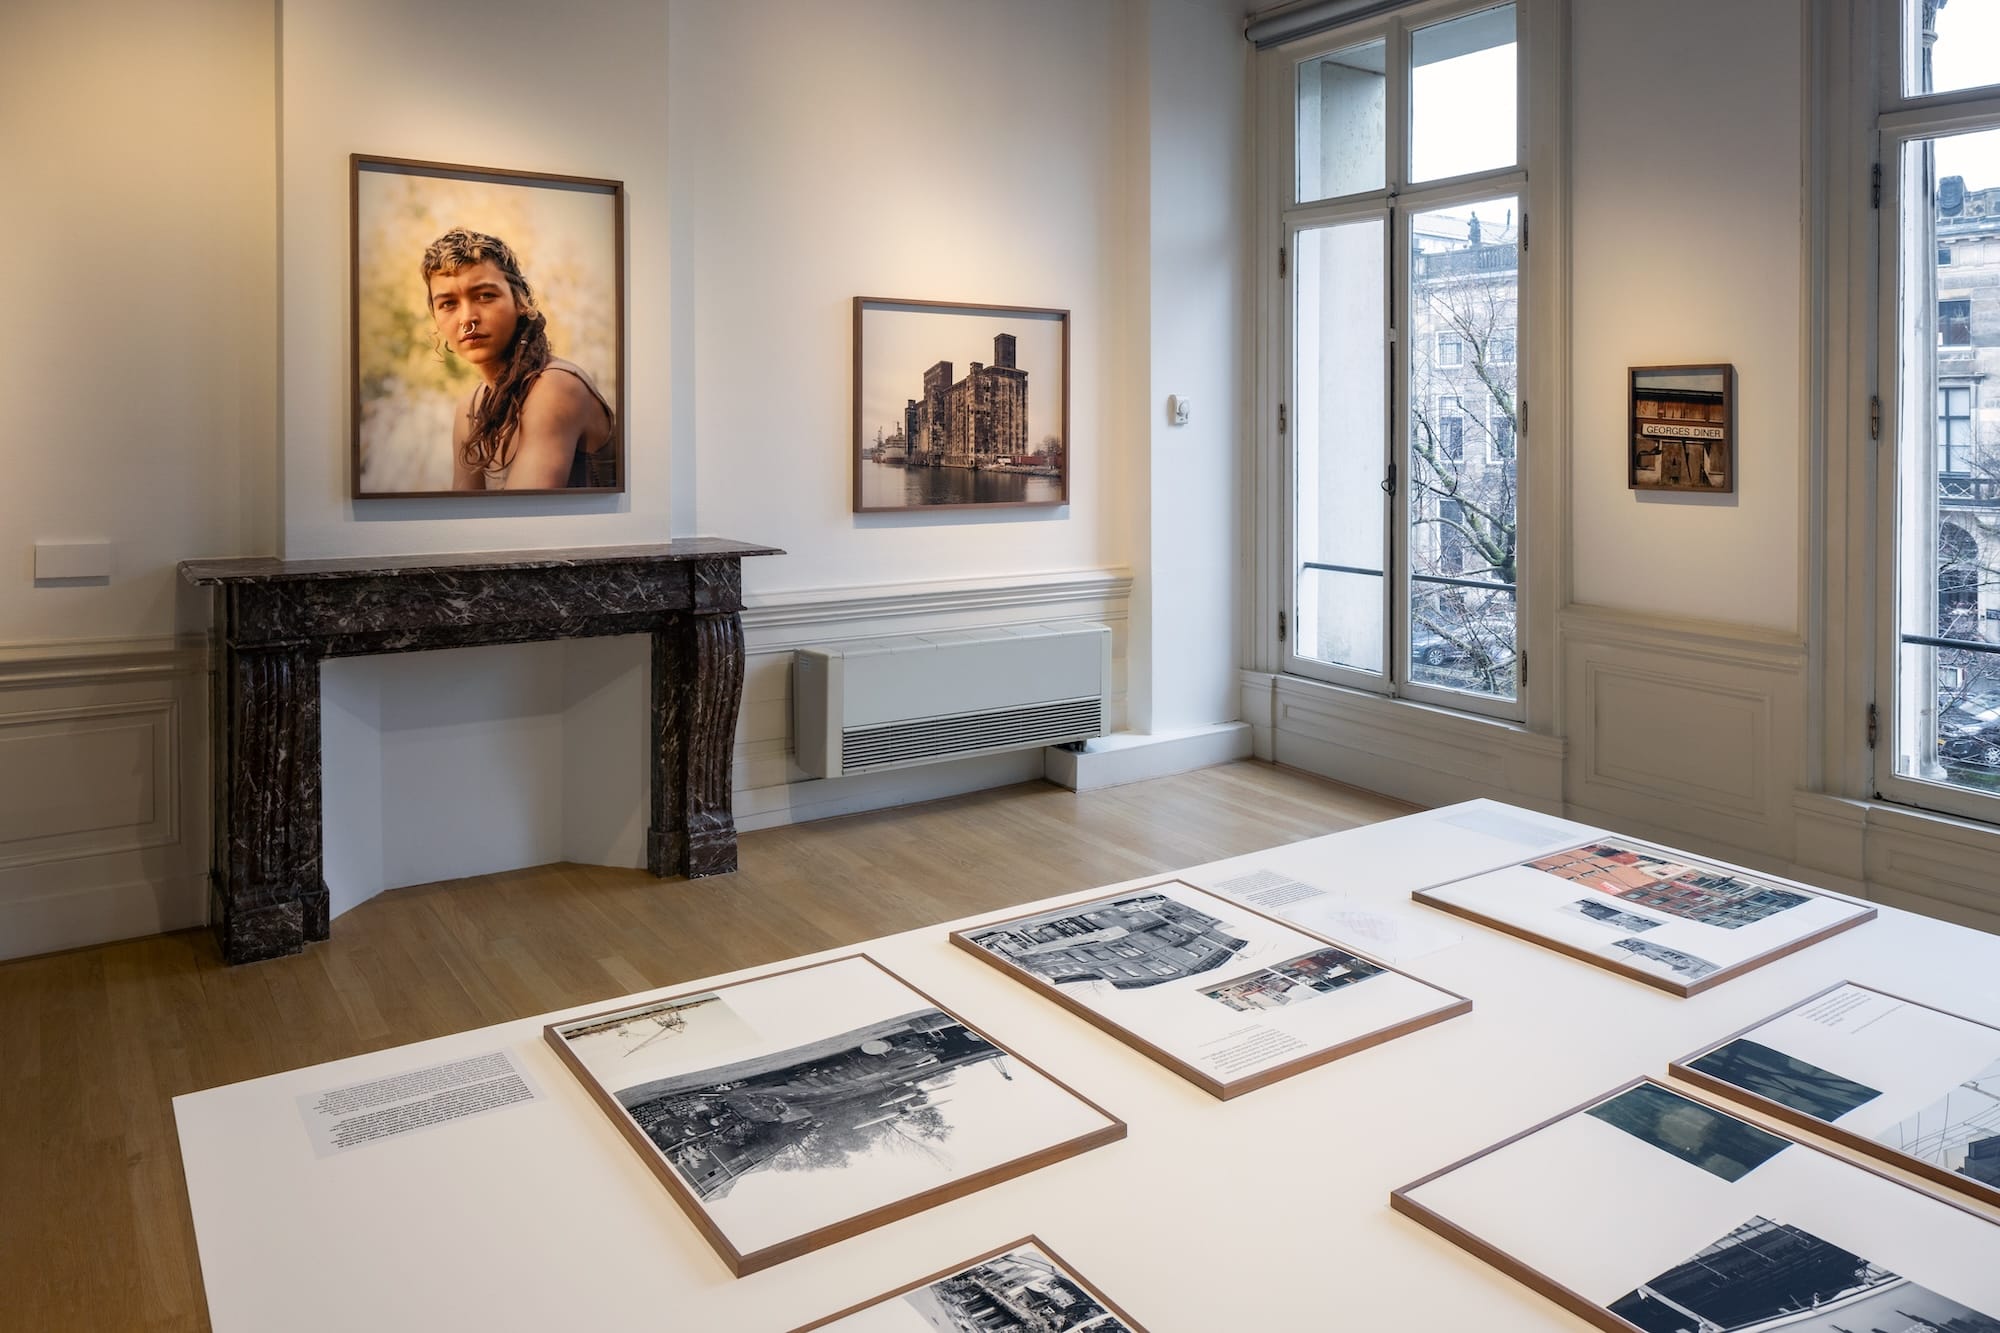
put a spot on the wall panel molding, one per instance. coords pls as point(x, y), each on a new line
point(102, 783)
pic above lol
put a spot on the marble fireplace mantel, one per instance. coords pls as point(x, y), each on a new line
point(275, 620)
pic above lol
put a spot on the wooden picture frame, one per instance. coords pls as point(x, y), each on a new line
point(1030, 1242)
point(927, 437)
point(412, 379)
point(821, 1064)
point(1277, 969)
point(1690, 912)
point(1681, 429)
point(1837, 1008)
point(1451, 1221)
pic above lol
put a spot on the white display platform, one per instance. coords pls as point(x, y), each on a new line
point(1268, 1211)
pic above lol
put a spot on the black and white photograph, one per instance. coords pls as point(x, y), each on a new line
point(1022, 1289)
point(1226, 996)
point(777, 1107)
point(1768, 1275)
point(959, 406)
point(1604, 914)
point(1676, 922)
point(1902, 1081)
point(1654, 1209)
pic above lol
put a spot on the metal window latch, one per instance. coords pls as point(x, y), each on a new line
point(1281, 627)
point(1389, 482)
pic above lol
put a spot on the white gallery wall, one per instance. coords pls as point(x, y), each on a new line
point(138, 143)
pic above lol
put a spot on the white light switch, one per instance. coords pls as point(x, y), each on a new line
point(72, 560)
point(1177, 409)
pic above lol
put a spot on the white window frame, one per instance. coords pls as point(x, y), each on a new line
point(1860, 119)
point(1533, 179)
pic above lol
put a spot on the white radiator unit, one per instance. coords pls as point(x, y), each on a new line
point(875, 704)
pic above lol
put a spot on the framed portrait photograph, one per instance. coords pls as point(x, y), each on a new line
point(1683, 429)
point(488, 316)
point(1911, 1085)
point(1651, 913)
point(1024, 1287)
point(959, 406)
point(802, 1107)
point(1653, 1210)
point(1225, 996)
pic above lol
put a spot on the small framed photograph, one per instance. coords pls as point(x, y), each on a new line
point(800, 1108)
point(1020, 1288)
point(1656, 915)
point(1225, 996)
point(1683, 429)
point(959, 406)
point(1654, 1211)
point(1915, 1086)
point(488, 313)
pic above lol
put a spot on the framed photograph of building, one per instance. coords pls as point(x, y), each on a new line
point(488, 319)
point(1683, 429)
point(1651, 913)
point(799, 1108)
point(1652, 1210)
point(1226, 997)
point(1024, 1287)
point(959, 406)
point(1912, 1085)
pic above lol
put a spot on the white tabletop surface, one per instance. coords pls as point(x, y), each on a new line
point(1267, 1211)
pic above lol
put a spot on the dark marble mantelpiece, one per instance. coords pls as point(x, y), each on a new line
point(275, 620)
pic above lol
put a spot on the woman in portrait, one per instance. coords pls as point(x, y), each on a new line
point(522, 428)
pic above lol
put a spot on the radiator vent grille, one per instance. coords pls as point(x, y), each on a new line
point(865, 748)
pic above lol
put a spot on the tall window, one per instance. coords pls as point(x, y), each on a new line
point(1940, 141)
point(1406, 241)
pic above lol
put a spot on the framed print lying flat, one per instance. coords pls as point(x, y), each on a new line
point(1020, 1288)
point(1651, 1210)
point(1654, 914)
point(796, 1109)
point(1225, 996)
point(1912, 1085)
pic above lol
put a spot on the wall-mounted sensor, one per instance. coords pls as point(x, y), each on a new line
point(1177, 409)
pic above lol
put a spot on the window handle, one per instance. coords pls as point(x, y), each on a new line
point(1389, 482)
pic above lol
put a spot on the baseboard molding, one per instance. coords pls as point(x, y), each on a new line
point(102, 913)
point(1122, 757)
point(1414, 752)
point(829, 798)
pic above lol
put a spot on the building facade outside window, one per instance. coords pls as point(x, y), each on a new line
point(1402, 306)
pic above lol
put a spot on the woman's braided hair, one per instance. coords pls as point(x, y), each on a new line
point(494, 418)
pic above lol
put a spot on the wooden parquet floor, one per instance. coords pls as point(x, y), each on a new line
point(95, 1232)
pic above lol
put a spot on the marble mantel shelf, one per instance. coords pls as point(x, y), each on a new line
point(276, 620)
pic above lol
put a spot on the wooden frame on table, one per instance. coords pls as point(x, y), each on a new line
point(1684, 1069)
point(1303, 958)
point(1493, 1252)
point(406, 379)
point(930, 437)
point(1068, 1270)
point(804, 1080)
point(1699, 972)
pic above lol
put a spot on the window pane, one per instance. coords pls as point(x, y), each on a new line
point(1340, 123)
point(1948, 496)
point(1462, 101)
point(1951, 44)
point(1464, 303)
point(1339, 432)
